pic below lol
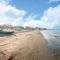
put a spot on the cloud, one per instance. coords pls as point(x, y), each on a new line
point(11, 15)
point(53, 1)
point(5, 1)
point(51, 17)
point(32, 22)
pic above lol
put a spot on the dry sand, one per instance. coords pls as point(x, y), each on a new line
point(29, 45)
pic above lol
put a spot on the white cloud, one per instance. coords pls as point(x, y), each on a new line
point(5, 1)
point(32, 22)
point(11, 15)
point(51, 17)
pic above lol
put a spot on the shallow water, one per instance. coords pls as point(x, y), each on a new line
point(53, 39)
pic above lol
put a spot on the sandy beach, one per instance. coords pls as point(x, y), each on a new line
point(29, 45)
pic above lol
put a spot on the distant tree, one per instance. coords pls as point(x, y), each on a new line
point(27, 27)
point(21, 27)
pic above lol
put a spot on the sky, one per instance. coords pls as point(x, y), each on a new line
point(33, 13)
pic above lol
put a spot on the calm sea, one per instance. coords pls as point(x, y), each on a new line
point(53, 39)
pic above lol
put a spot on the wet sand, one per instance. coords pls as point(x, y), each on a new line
point(29, 45)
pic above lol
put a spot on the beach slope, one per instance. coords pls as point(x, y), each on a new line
point(29, 45)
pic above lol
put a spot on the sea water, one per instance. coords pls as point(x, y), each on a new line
point(53, 39)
